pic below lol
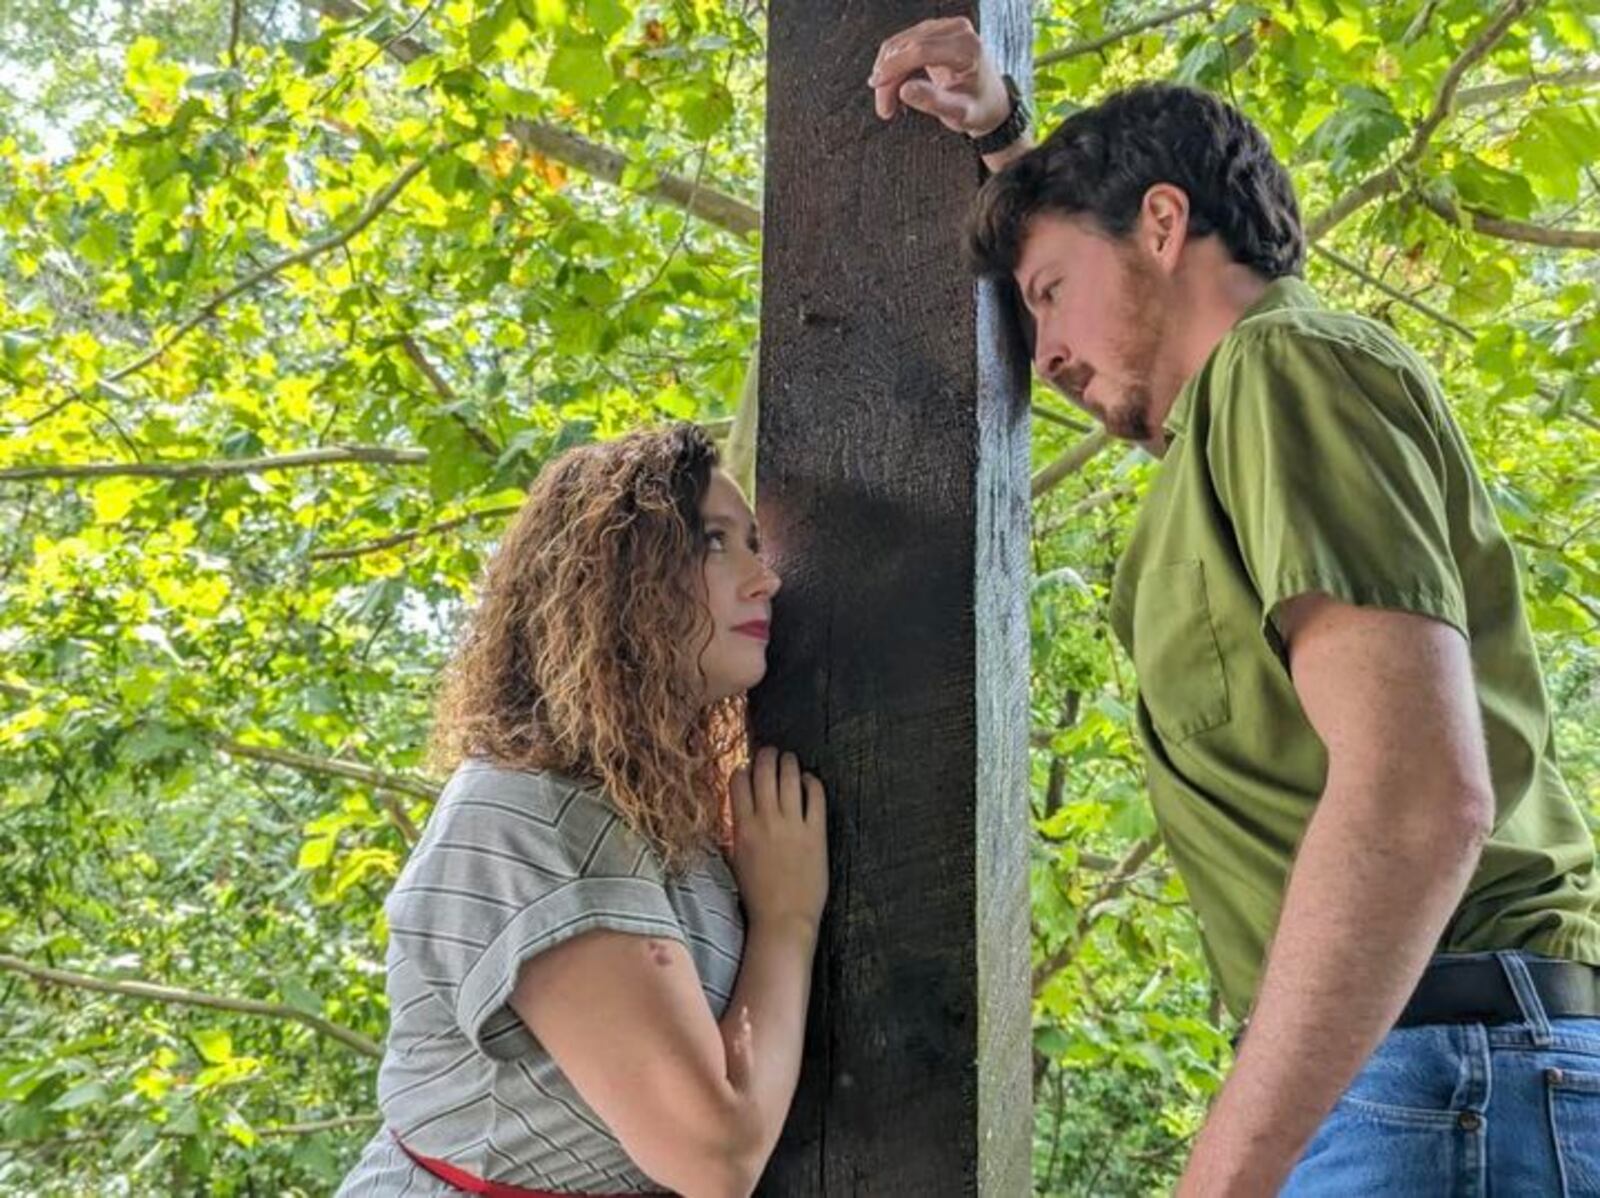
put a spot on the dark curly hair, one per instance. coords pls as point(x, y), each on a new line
point(582, 654)
point(1102, 160)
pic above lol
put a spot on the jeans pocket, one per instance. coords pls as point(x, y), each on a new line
point(1575, 1123)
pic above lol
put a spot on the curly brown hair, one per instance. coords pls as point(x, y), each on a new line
point(582, 655)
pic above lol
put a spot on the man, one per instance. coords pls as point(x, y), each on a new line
point(1336, 670)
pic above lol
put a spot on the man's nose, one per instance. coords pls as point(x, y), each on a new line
point(1051, 360)
point(1050, 363)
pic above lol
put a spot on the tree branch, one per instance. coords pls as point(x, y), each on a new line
point(1090, 45)
point(709, 204)
point(1069, 463)
point(375, 207)
point(220, 468)
point(1119, 881)
point(1477, 220)
point(191, 998)
point(332, 767)
point(408, 535)
point(1493, 93)
point(1394, 293)
point(447, 393)
point(99, 1135)
point(1388, 179)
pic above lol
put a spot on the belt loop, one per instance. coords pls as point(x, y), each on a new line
point(1527, 995)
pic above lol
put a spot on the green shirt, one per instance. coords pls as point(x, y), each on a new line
point(1314, 452)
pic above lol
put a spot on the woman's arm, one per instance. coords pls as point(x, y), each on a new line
point(697, 1107)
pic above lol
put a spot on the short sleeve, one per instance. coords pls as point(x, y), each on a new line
point(513, 864)
point(1328, 462)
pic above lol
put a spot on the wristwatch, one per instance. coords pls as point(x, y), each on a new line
point(1013, 127)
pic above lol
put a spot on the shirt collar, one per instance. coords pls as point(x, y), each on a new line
point(1287, 291)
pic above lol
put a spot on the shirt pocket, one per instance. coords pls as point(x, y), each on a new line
point(1175, 651)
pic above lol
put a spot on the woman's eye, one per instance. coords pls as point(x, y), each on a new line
point(1050, 293)
point(716, 539)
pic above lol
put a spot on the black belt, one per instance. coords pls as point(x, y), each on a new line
point(1475, 990)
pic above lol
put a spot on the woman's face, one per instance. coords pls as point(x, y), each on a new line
point(739, 586)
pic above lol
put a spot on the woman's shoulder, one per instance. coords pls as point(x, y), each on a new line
point(543, 815)
point(478, 780)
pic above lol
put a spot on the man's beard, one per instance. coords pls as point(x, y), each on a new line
point(1135, 353)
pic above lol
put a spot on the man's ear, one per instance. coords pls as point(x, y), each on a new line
point(1164, 222)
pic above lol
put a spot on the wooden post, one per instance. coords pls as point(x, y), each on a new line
point(893, 488)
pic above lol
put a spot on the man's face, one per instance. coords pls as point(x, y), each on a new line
point(1098, 309)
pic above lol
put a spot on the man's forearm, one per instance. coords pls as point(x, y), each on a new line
point(1376, 880)
point(1000, 159)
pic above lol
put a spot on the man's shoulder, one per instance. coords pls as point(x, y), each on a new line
point(1317, 337)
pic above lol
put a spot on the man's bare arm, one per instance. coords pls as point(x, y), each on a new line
point(1383, 865)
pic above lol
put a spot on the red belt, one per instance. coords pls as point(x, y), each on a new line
point(450, 1175)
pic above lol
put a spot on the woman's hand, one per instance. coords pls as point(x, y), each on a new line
point(780, 840)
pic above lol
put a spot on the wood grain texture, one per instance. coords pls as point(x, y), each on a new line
point(893, 488)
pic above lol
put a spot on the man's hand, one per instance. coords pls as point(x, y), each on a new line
point(939, 67)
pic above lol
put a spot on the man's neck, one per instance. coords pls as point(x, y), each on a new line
point(1211, 293)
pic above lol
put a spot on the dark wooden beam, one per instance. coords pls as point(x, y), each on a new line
point(893, 485)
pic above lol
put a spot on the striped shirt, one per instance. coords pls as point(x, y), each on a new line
point(513, 863)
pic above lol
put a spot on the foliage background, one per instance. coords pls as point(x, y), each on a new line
point(296, 298)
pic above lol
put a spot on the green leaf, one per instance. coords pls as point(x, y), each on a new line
point(607, 17)
point(214, 1044)
point(1483, 186)
point(1358, 133)
point(705, 109)
point(80, 1096)
point(579, 68)
point(489, 33)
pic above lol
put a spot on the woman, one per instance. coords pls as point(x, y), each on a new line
point(577, 1002)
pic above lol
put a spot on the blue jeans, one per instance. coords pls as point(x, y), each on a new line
point(1459, 1110)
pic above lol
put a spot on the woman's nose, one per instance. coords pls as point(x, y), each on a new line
point(765, 583)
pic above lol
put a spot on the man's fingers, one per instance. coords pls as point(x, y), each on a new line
point(931, 30)
point(956, 50)
point(889, 84)
point(923, 96)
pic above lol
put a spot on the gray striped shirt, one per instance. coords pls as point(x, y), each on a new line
point(513, 863)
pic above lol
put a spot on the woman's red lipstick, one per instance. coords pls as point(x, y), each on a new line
point(760, 629)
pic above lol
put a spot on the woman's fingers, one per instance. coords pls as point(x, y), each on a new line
point(816, 805)
point(740, 797)
point(765, 779)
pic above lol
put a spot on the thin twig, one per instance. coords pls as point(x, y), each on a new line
point(1090, 45)
point(192, 998)
point(331, 767)
point(1394, 293)
point(447, 393)
point(219, 468)
point(1069, 463)
point(1493, 93)
point(406, 536)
